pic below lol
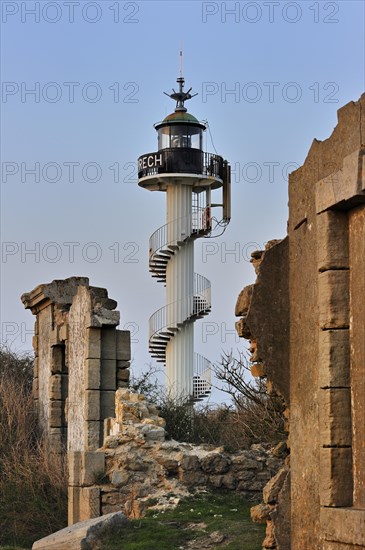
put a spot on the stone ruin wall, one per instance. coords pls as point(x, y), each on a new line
point(141, 463)
point(118, 453)
point(81, 358)
point(305, 317)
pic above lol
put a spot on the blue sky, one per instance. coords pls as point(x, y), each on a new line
point(270, 78)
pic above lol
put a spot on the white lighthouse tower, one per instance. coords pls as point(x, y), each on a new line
point(181, 169)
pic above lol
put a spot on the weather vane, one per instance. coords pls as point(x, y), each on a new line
point(180, 97)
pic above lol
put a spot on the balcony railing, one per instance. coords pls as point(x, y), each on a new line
point(180, 160)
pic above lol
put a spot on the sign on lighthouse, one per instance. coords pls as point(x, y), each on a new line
point(181, 169)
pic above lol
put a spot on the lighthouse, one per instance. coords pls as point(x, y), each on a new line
point(187, 174)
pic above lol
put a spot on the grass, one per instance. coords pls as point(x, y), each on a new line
point(194, 519)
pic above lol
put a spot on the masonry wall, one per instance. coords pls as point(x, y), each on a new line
point(81, 359)
point(320, 368)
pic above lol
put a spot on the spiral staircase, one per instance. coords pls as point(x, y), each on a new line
point(168, 320)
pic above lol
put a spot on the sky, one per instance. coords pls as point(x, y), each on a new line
point(82, 86)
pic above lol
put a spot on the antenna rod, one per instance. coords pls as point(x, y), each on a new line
point(181, 62)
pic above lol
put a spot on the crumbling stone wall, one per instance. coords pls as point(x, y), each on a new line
point(315, 293)
point(80, 361)
point(144, 470)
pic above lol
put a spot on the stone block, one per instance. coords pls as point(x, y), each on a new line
point(35, 344)
point(107, 404)
point(93, 435)
point(123, 365)
point(244, 301)
point(336, 483)
point(35, 387)
point(36, 367)
point(123, 345)
point(332, 240)
point(341, 186)
point(92, 464)
point(73, 517)
point(64, 386)
point(242, 329)
point(55, 387)
point(108, 374)
point(120, 478)
point(63, 332)
point(346, 525)
point(93, 343)
point(92, 374)
point(335, 417)
point(273, 487)
point(74, 468)
point(56, 440)
point(334, 358)
point(82, 535)
point(55, 414)
point(123, 375)
point(330, 545)
point(54, 338)
point(57, 359)
point(258, 370)
point(333, 300)
point(108, 343)
point(92, 405)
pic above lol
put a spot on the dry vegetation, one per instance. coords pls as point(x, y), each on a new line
point(33, 480)
point(33, 490)
point(253, 416)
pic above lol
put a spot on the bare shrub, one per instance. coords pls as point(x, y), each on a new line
point(253, 416)
point(258, 412)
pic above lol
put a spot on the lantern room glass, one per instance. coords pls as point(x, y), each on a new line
point(179, 135)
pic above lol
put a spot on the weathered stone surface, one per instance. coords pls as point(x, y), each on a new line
point(343, 186)
point(109, 344)
point(258, 370)
point(92, 465)
point(215, 463)
point(89, 503)
point(346, 525)
point(93, 343)
point(336, 484)
point(55, 414)
point(333, 246)
point(357, 350)
point(242, 329)
point(108, 374)
point(119, 478)
point(92, 405)
point(281, 515)
point(92, 435)
point(333, 303)
point(268, 316)
point(243, 301)
point(334, 358)
point(325, 347)
point(92, 374)
point(123, 375)
point(107, 404)
point(269, 541)
point(261, 513)
point(339, 546)
point(335, 417)
point(83, 535)
point(273, 487)
point(123, 345)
